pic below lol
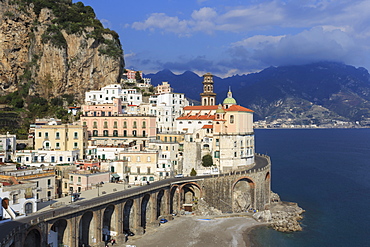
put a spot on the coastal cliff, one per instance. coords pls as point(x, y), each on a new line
point(55, 48)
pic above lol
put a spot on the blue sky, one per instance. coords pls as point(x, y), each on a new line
point(228, 37)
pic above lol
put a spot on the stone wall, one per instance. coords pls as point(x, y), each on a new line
point(219, 191)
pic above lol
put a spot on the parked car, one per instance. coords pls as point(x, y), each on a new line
point(179, 176)
point(162, 221)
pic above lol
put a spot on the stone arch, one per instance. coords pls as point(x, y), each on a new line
point(174, 199)
point(128, 216)
point(243, 194)
point(86, 229)
point(33, 238)
point(267, 187)
point(190, 193)
point(58, 232)
point(109, 219)
point(146, 208)
point(160, 204)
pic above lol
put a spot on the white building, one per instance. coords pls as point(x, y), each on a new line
point(17, 199)
point(167, 106)
point(40, 158)
point(7, 147)
point(108, 93)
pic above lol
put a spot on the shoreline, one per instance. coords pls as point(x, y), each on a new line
point(200, 231)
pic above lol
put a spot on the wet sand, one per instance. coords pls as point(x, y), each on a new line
point(198, 231)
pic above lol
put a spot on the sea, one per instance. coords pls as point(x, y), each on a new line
point(327, 172)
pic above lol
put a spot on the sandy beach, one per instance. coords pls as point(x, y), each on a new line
point(197, 231)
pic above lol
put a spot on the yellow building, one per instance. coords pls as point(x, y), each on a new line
point(64, 137)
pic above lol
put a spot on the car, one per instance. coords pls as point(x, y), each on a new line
point(162, 221)
point(179, 176)
point(128, 233)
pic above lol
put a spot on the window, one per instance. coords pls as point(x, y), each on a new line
point(115, 133)
point(105, 124)
point(79, 179)
point(84, 123)
point(28, 208)
point(138, 159)
point(57, 135)
point(134, 125)
point(148, 170)
point(75, 135)
point(217, 154)
point(57, 145)
point(61, 158)
point(231, 118)
point(15, 199)
point(125, 133)
point(40, 134)
point(115, 124)
point(105, 133)
point(144, 133)
point(124, 124)
point(134, 132)
point(138, 170)
point(148, 159)
point(75, 145)
point(217, 142)
point(46, 135)
point(49, 182)
point(95, 133)
point(95, 125)
point(144, 124)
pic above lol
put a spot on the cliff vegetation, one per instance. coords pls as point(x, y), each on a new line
point(51, 53)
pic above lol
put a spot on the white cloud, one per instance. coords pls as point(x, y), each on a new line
point(164, 22)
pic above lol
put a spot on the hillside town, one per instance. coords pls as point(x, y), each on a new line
point(124, 136)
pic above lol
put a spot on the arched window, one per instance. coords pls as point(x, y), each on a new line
point(134, 132)
point(28, 208)
point(144, 124)
point(95, 133)
point(124, 124)
point(115, 133)
point(231, 118)
point(125, 133)
point(197, 136)
point(105, 133)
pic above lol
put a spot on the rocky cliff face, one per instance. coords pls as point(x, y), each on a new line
point(52, 62)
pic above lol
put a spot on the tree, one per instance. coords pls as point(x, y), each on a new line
point(193, 172)
point(207, 160)
point(137, 76)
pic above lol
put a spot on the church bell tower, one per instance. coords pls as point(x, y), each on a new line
point(208, 97)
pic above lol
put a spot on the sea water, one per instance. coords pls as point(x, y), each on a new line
point(327, 172)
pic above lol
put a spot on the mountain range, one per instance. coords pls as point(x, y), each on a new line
point(316, 93)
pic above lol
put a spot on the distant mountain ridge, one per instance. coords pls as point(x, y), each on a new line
point(312, 93)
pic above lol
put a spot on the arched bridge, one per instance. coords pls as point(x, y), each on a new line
point(132, 211)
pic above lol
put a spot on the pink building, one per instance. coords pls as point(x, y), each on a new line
point(102, 110)
point(81, 181)
point(130, 74)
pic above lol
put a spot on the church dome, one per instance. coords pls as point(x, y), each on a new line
point(229, 100)
point(220, 109)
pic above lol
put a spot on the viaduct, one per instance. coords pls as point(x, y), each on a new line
point(90, 222)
